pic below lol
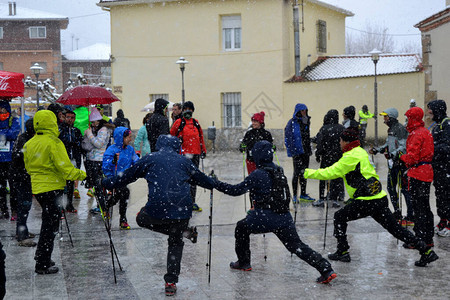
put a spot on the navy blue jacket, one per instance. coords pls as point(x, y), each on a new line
point(168, 175)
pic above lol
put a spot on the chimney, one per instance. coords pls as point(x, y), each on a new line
point(10, 8)
point(14, 8)
point(447, 3)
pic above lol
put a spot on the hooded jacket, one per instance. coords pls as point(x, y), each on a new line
point(127, 155)
point(253, 136)
point(121, 120)
point(297, 133)
point(396, 139)
point(46, 158)
point(191, 136)
point(157, 124)
point(169, 176)
point(99, 141)
point(17, 168)
point(328, 139)
point(419, 147)
point(441, 135)
point(9, 131)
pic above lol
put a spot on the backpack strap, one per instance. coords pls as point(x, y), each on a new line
point(444, 120)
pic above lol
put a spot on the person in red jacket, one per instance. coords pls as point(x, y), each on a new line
point(189, 131)
point(418, 157)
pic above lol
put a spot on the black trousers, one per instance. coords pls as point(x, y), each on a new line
point(174, 229)
point(423, 217)
point(377, 209)
point(94, 179)
point(196, 160)
point(4, 173)
point(121, 196)
point(394, 175)
point(21, 192)
point(301, 162)
point(51, 215)
point(282, 225)
point(441, 185)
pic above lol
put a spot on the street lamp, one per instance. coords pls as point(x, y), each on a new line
point(182, 62)
point(375, 57)
point(37, 70)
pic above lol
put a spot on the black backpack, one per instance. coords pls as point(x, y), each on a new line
point(280, 196)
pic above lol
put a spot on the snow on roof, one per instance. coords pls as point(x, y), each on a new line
point(97, 51)
point(333, 7)
point(347, 66)
point(23, 13)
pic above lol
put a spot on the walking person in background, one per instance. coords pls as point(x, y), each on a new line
point(176, 112)
point(349, 117)
point(157, 124)
point(364, 115)
point(298, 145)
point(141, 144)
point(121, 120)
point(441, 164)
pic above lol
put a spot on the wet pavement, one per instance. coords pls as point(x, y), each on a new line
point(380, 269)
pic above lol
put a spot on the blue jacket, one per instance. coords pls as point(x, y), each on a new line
point(293, 134)
point(9, 131)
point(169, 176)
point(127, 155)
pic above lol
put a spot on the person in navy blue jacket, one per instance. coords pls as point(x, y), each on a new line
point(263, 218)
point(117, 158)
point(169, 205)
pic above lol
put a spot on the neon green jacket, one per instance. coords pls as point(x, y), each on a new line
point(364, 116)
point(354, 167)
point(81, 118)
point(46, 158)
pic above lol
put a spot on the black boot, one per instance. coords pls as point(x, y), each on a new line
point(339, 255)
point(426, 258)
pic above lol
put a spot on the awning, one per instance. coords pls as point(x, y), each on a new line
point(11, 84)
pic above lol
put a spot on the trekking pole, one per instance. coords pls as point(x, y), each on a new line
point(295, 216)
point(67, 225)
point(276, 156)
point(243, 170)
point(326, 215)
point(208, 263)
point(264, 243)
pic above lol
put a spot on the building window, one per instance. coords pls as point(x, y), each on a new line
point(231, 33)
point(321, 36)
point(74, 71)
point(1, 66)
point(1, 32)
point(38, 32)
point(231, 109)
point(153, 97)
point(42, 64)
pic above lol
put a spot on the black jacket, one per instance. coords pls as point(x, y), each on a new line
point(441, 135)
point(72, 138)
point(158, 123)
point(252, 137)
point(328, 145)
point(121, 120)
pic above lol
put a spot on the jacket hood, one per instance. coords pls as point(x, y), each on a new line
point(332, 117)
point(29, 127)
point(349, 111)
point(168, 142)
point(262, 153)
point(120, 113)
point(439, 109)
point(298, 108)
point(44, 122)
point(160, 104)
point(5, 104)
point(391, 112)
point(118, 135)
point(415, 116)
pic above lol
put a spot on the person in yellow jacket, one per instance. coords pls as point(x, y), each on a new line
point(367, 198)
point(364, 115)
point(49, 167)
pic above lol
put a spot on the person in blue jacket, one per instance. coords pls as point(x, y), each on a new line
point(169, 205)
point(266, 217)
point(117, 158)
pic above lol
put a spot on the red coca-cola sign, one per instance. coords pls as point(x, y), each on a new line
point(11, 84)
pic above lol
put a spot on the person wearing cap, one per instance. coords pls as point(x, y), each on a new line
point(367, 198)
point(158, 123)
point(412, 103)
point(437, 109)
point(117, 158)
point(189, 131)
point(101, 110)
point(252, 136)
point(297, 140)
point(364, 115)
point(394, 147)
point(418, 159)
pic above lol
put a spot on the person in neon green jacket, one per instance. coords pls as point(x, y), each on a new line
point(367, 198)
point(49, 166)
point(364, 115)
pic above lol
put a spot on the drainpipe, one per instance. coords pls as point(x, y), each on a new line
point(296, 38)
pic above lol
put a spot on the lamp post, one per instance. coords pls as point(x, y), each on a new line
point(375, 57)
point(37, 70)
point(182, 62)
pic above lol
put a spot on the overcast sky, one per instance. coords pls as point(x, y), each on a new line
point(89, 24)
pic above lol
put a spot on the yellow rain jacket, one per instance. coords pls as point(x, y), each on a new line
point(358, 174)
point(46, 157)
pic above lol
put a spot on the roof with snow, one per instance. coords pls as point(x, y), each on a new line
point(97, 51)
point(438, 19)
point(348, 66)
point(23, 13)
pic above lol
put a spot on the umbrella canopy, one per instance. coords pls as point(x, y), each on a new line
point(11, 84)
point(86, 95)
point(151, 106)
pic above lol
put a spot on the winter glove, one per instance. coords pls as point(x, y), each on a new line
point(203, 155)
point(373, 151)
point(138, 153)
point(274, 147)
point(242, 147)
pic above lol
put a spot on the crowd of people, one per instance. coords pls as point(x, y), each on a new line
point(45, 161)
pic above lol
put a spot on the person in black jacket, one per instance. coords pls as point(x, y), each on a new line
point(441, 163)
point(158, 123)
point(269, 215)
point(349, 117)
point(121, 120)
point(254, 135)
point(328, 152)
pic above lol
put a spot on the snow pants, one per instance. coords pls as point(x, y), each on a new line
point(441, 185)
point(423, 219)
point(282, 225)
point(174, 229)
point(21, 192)
point(301, 162)
point(394, 175)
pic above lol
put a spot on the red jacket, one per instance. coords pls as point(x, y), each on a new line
point(192, 139)
point(419, 147)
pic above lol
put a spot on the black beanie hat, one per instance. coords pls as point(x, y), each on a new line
point(350, 134)
point(349, 111)
point(188, 105)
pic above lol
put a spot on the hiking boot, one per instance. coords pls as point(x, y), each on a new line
point(71, 209)
point(340, 256)
point(237, 266)
point(410, 246)
point(444, 232)
point(76, 194)
point(170, 289)
point(294, 199)
point(95, 210)
point(326, 277)
point(441, 225)
point(336, 204)
point(307, 198)
point(124, 225)
point(319, 203)
point(191, 234)
point(27, 243)
point(195, 207)
point(90, 193)
point(426, 258)
point(49, 270)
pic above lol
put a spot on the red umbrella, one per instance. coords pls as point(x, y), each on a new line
point(86, 95)
point(11, 84)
